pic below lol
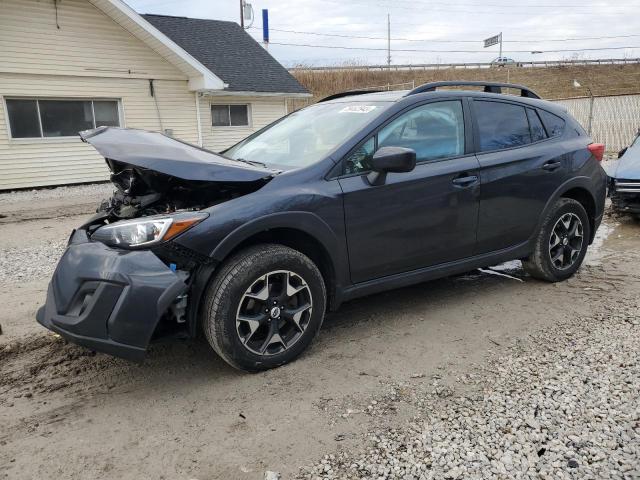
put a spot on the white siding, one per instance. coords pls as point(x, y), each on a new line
point(88, 42)
point(51, 161)
point(262, 111)
point(90, 56)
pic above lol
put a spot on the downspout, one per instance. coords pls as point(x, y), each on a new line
point(198, 119)
point(152, 92)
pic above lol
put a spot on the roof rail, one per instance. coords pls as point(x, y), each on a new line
point(348, 93)
point(489, 87)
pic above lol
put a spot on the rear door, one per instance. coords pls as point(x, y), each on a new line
point(420, 218)
point(522, 163)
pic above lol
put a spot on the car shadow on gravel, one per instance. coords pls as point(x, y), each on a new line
point(420, 297)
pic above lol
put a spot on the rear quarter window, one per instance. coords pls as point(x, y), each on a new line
point(552, 123)
point(537, 130)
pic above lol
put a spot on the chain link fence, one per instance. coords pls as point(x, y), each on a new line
point(614, 120)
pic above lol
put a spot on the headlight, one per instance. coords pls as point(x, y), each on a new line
point(147, 231)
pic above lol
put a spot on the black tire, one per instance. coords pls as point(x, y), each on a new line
point(222, 303)
point(540, 264)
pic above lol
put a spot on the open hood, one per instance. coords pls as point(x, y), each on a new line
point(156, 174)
point(166, 155)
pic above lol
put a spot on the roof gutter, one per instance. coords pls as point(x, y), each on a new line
point(228, 93)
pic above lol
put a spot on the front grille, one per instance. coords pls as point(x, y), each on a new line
point(627, 186)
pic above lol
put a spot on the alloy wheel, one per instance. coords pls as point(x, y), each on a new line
point(566, 241)
point(274, 312)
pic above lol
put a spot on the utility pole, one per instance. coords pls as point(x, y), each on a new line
point(500, 56)
point(242, 13)
point(389, 41)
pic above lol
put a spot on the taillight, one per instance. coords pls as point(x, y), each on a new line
point(597, 150)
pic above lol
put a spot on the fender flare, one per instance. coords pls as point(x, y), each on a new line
point(305, 222)
point(582, 182)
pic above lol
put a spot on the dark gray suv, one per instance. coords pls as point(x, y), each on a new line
point(359, 193)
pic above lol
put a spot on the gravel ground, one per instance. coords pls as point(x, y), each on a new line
point(33, 258)
point(18, 264)
point(487, 375)
point(72, 192)
point(565, 404)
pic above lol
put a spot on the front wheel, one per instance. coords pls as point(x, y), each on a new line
point(264, 307)
point(562, 242)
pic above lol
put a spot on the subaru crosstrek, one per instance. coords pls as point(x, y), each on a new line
point(359, 193)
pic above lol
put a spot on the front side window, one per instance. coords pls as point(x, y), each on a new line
point(308, 135)
point(31, 118)
point(360, 159)
point(230, 115)
point(434, 131)
point(501, 125)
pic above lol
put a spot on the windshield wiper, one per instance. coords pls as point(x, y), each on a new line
point(252, 162)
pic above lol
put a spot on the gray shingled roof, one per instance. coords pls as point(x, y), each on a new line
point(229, 52)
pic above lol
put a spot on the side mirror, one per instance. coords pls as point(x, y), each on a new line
point(391, 159)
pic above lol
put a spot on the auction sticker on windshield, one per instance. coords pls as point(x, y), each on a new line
point(358, 109)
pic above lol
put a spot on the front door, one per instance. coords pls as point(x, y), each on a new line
point(420, 218)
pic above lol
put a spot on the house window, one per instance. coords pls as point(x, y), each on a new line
point(32, 118)
point(230, 115)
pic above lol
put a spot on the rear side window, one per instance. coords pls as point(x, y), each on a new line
point(552, 123)
point(535, 125)
point(501, 125)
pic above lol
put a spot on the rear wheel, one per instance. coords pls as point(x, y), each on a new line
point(264, 307)
point(562, 242)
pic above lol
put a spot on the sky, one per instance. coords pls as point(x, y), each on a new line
point(427, 31)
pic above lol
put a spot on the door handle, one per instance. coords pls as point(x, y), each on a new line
point(552, 165)
point(465, 181)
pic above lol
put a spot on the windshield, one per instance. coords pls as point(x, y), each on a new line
point(308, 135)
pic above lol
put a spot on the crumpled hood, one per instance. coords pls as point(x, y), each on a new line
point(161, 153)
point(626, 167)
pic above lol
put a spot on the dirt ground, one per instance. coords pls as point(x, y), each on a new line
point(67, 413)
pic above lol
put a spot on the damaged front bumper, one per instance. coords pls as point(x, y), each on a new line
point(109, 300)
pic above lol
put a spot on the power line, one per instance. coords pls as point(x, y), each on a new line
point(447, 51)
point(370, 38)
point(363, 37)
point(504, 5)
point(394, 5)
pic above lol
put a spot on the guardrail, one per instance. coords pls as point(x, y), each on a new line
point(436, 66)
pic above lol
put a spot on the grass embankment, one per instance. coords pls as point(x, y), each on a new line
point(548, 82)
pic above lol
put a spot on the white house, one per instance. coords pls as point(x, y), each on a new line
point(69, 65)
